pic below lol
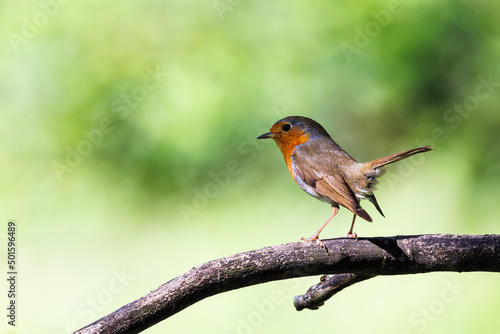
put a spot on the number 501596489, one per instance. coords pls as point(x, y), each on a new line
point(11, 246)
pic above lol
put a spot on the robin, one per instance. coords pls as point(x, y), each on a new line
point(325, 171)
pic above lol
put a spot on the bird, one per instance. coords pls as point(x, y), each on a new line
point(326, 171)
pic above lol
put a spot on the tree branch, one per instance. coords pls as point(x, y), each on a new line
point(363, 258)
point(329, 286)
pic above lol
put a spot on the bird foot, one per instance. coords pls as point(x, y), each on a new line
point(316, 239)
point(352, 236)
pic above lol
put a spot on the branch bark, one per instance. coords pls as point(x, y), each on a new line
point(356, 260)
point(326, 289)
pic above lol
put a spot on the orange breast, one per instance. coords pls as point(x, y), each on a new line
point(287, 144)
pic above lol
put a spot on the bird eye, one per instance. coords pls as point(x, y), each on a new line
point(286, 127)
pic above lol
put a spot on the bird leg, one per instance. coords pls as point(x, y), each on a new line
point(351, 234)
point(315, 235)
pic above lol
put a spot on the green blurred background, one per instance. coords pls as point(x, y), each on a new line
point(116, 115)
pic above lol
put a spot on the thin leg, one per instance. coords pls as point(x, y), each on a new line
point(315, 235)
point(351, 234)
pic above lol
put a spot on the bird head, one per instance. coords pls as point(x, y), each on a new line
point(292, 131)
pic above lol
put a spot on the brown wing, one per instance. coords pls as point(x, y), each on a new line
point(326, 180)
point(335, 187)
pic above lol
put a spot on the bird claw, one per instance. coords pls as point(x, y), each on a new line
point(352, 236)
point(316, 239)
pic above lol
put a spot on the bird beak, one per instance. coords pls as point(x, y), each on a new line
point(266, 135)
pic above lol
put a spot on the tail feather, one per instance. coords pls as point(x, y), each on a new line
point(372, 199)
point(371, 170)
point(380, 162)
point(363, 214)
